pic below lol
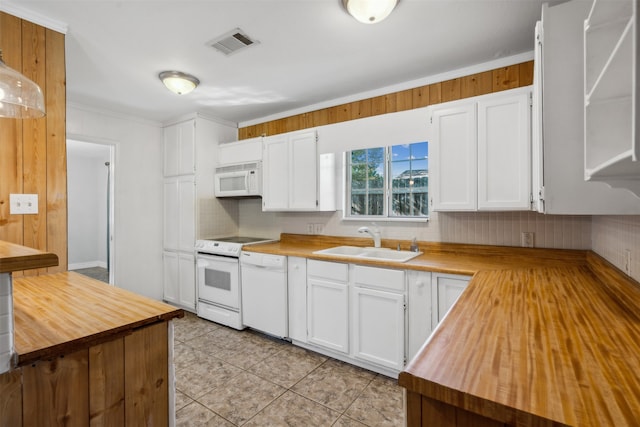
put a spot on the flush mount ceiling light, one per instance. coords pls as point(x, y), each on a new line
point(179, 82)
point(20, 97)
point(369, 11)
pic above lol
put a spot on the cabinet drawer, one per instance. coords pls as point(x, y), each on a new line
point(380, 278)
point(328, 270)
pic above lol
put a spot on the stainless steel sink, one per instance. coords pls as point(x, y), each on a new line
point(380, 254)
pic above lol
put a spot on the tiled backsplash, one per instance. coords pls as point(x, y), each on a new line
point(490, 228)
point(612, 236)
point(609, 236)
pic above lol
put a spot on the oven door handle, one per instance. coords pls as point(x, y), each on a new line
point(206, 261)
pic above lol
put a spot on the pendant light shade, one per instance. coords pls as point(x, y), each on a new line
point(369, 11)
point(179, 82)
point(20, 97)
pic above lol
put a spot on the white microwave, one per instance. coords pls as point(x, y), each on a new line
point(239, 180)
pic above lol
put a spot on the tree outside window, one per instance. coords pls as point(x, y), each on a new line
point(389, 181)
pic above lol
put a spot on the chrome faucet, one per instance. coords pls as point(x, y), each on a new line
point(375, 234)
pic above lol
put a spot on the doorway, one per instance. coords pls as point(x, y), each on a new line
point(90, 181)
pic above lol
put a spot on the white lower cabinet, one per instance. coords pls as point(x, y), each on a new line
point(445, 291)
point(378, 315)
point(297, 294)
point(328, 305)
point(373, 317)
point(418, 309)
point(179, 279)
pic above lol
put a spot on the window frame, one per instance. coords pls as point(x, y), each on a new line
point(388, 189)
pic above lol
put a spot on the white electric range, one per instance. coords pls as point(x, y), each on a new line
point(218, 278)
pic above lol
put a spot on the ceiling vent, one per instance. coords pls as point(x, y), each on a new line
point(232, 42)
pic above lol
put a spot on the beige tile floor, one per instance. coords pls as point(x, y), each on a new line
point(226, 377)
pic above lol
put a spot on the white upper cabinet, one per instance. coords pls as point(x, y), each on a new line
point(481, 153)
point(295, 177)
point(560, 122)
point(504, 151)
point(275, 173)
point(180, 149)
point(453, 165)
point(612, 151)
point(247, 150)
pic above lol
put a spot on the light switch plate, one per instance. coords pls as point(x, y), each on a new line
point(23, 204)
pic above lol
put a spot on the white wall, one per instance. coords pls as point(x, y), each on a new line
point(138, 193)
point(87, 178)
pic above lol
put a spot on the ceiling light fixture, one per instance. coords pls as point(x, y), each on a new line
point(20, 97)
point(369, 11)
point(179, 82)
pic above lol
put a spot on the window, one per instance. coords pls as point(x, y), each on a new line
point(388, 182)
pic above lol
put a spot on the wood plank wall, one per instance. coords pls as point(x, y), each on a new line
point(33, 151)
point(496, 80)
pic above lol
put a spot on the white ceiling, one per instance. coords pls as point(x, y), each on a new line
point(310, 51)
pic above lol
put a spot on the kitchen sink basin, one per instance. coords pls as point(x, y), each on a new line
point(380, 254)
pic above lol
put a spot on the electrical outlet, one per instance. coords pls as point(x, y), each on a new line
point(23, 204)
point(310, 228)
point(627, 262)
point(526, 239)
point(318, 228)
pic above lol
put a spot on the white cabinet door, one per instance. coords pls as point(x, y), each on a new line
point(179, 149)
point(419, 308)
point(171, 277)
point(179, 213)
point(187, 281)
point(171, 214)
point(297, 287)
point(292, 174)
point(187, 213)
point(453, 152)
point(378, 327)
point(303, 171)
point(328, 314)
point(504, 151)
point(481, 153)
point(446, 289)
point(275, 185)
point(179, 283)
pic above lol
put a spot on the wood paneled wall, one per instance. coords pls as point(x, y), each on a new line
point(510, 77)
point(33, 151)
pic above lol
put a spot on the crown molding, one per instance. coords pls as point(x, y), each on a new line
point(31, 16)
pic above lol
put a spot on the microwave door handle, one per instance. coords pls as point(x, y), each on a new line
point(246, 181)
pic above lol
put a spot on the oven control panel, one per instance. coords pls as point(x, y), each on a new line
point(218, 248)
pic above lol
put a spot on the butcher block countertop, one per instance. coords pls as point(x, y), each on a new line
point(56, 314)
point(539, 337)
point(16, 257)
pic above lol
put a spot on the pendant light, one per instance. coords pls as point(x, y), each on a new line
point(369, 11)
point(20, 97)
point(179, 82)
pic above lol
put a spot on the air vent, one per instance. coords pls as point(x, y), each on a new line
point(232, 42)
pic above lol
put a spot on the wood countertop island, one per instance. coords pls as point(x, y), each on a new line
point(16, 257)
point(87, 354)
point(57, 314)
point(539, 337)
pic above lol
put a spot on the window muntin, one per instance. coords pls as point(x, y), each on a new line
point(388, 182)
point(409, 180)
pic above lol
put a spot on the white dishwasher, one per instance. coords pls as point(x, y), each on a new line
point(264, 293)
